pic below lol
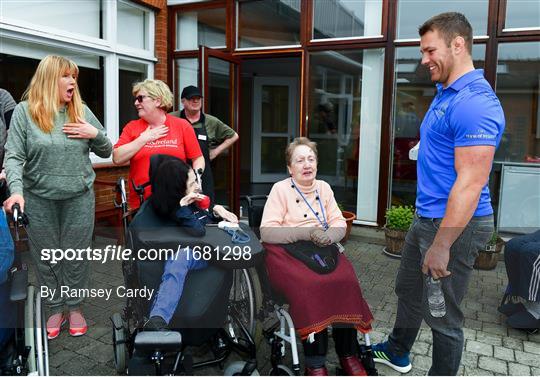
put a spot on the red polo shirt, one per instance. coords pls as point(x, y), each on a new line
point(180, 142)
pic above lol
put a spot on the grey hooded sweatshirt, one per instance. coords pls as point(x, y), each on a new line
point(51, 165)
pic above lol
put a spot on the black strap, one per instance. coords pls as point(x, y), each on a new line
point(322, 260)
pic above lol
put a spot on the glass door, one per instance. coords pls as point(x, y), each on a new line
point(275, 119)
point(219, 73)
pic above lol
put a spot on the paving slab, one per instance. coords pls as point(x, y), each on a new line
point(493, 364)
point(515, 369)
point(490, 347)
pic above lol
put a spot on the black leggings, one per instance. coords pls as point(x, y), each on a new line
point(344, 339)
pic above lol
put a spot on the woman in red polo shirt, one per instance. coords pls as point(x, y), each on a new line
point(155, 132)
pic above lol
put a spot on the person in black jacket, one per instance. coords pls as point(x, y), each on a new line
point(176, 195)
point(7, 105)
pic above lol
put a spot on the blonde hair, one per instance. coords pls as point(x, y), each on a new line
point(296, 143)
point(43, 95)
point(156, 89)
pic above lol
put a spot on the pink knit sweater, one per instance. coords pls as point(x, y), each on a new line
point(287, 218)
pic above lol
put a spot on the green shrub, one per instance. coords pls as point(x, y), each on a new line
point(399, 218)
point(493, 240)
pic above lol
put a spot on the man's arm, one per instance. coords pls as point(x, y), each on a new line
point(473, 165)
point(223, 146)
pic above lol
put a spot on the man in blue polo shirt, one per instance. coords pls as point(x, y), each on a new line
point(458, 138)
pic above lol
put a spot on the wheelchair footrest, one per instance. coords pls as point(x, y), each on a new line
point(165, 341)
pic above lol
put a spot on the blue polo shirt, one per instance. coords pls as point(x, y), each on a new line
point(466, 113)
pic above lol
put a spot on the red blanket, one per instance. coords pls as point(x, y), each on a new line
point(317, 301)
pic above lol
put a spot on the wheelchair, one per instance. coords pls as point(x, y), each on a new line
point(23, 334)
point(281, 334)
point(217, 309)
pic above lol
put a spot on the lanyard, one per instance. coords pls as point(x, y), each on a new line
point(323, 222)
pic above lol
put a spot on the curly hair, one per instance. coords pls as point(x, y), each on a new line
point(156, 89)
point(296, 143)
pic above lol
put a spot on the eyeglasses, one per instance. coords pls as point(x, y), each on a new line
point(140, 98)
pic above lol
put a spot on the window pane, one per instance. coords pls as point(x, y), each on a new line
point(187, 71)
point(272, 152)
point(24, 57)
point(414, 92)
point(413, 13)
point(132, 27)
point(522, 13)
point(518, 80)
point(344, 119)
point(346, 18)
point(263, 23)
point(83, 18)
point(275, 101)
point(129, 73)
point(204, 27)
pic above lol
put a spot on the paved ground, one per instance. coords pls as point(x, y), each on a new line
point(490, 348)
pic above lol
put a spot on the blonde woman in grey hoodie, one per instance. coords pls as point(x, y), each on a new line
point(50, 176)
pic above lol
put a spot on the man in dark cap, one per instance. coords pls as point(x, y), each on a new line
point(214, 136)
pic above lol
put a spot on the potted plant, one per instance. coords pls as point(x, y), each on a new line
point(489, 256)
point(349, 218)
point(398, 222)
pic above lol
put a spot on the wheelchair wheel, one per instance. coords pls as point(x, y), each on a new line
point(280, 370)
point(246, 303)
point(235, 369)
point(119, 343)
point(41, 340)
point(29, 326)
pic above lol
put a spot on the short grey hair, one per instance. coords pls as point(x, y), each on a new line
point(296, 143)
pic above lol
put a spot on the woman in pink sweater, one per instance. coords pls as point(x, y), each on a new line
point(303, 208)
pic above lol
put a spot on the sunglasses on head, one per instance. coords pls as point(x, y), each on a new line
point(140, 98)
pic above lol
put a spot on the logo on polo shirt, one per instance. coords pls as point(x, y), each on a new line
point(162, 143)
point(480, 134)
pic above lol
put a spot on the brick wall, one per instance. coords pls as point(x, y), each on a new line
point(104, 193)
point(161, 37)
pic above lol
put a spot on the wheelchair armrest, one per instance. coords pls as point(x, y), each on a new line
point(19, 282)
point(165, 341)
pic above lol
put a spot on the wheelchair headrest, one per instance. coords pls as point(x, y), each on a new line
point(155, 161)
point(255, 209)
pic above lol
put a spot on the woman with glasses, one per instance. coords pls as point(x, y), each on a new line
point(155, 132)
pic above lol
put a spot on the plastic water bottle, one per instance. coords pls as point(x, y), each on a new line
point(413, 153)
point(435, 295)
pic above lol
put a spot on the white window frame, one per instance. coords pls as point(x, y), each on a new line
point(149, 20)
point(107, 47)
point(60, 34)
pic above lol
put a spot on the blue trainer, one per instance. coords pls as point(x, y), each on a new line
point(383, 356)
